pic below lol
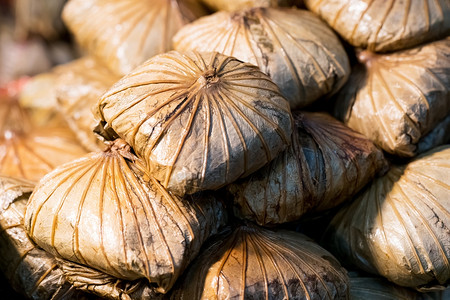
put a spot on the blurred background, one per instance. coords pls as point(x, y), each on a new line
point(33, 38)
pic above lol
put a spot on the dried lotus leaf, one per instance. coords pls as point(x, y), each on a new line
point(98, 212)
point(294, 47)
point(33, 155)
point(28, 151)
point(398, 227)
point(243, 4)
point(255, 263)
point(12, 189)
point(396, 99)
point(125, 33)
point(74, 88)
point(440, 135)
point(199, 120)
point(106, 286)
point(78, 87)
point(363, 287)
point(326, 164)
point(30, 270)
point(381, 26)
point(14, 118)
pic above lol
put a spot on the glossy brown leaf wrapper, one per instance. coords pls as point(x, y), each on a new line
point(397, 99)
point(398, 227)
point(29, 270)
point(98, 212)
point(366, 287)
point(326, 164)
point(106, 286)
point(125, 33)
point(255, 263)
point(294, 47)
point(380, 25)
point(243, 4)
point(199, 120)
point(29, 151)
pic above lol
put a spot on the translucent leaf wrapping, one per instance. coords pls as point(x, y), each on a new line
point(242, 4)
point(326, 164)
point(399, 226)
point(295, 48)
point(29, 151)
point(98, 212)
point(254, 263)
point(381, 25)
point(200, 120)
point(396, 99)
point(125, 33)
point(30, 270)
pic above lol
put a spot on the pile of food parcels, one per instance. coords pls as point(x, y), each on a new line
point(212, 149)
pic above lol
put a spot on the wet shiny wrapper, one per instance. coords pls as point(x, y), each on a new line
point(199, 120)
point(397, 99)
point(104, 212)
point(254, 263)
point(299, 52)
point(398, 227)
point(125, 33)
point(31, 271)
point(384, 26)
point(326, 164)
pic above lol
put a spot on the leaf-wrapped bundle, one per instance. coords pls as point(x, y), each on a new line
point(29, 151)
point(74, 89)
point(78, 87)
point(326, 164)
point(199, 120)
point(365, 287)
point(106, 286)
point(294, 47)
point(255, 263)
point(98, 211)
point(381, 25)
point(242, 4)
point(396, 99)
point(399, 226)
point(125, 33)
point(440, 135)
point(30, 270)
